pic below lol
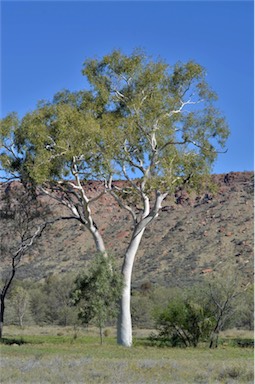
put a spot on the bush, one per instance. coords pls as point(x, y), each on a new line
point(182, 323)
point(51, 301)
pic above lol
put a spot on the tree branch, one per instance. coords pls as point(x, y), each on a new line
point(122, 205)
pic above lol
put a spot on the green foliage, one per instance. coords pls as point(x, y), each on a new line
point(11, 158)
point(97, 292)
point(17, 305)
point(53, 134)
point(165, 117)
point(146, 304)
point(141, 309)
point(141, 117)
point(46, 139)
point(51, 301)
point(183, 323)
point(148, 301)
point(20, 302)
point(243, 317)
point(39, 305)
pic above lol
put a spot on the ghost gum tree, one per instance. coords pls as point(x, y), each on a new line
point(153, 125)
point(161, 127)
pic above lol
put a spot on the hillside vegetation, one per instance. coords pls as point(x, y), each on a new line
point(192, 236)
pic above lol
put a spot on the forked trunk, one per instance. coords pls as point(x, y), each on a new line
point(124, 331)
point(215, 334)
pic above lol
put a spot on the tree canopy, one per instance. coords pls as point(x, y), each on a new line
point(165, 127)
point(140, 117)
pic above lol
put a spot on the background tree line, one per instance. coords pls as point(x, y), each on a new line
point(181, 316)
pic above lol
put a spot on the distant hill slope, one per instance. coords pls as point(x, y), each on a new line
point(192, 236)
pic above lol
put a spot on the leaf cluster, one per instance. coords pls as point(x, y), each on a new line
point(97, 292)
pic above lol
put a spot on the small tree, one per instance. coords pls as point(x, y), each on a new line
point(20, 302)
point(98, 292)
point(58, 290)
point(222, 291)
point(24, 222)
point(38, 304)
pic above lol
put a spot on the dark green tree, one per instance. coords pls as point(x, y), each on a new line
point(183, 323)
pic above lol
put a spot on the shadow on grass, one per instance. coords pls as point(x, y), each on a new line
point(11, 341)
point(152, 341)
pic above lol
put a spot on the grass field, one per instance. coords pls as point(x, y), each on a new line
point(59, 355)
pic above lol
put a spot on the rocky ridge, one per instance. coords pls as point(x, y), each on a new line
point(193, 235)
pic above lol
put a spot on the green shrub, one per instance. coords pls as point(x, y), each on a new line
point(182, 323)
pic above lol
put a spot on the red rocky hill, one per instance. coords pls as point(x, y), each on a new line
point(193, 235)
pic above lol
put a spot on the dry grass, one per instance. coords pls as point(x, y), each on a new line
point(55, 356)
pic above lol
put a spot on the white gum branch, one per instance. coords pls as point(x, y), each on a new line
point(149, 215)
point(183, 104)
point(84, 197)
point(153, 142)
point(29, 243)
point(60, 200)
point(131, 162)
point(144, 97)
point(119, 94)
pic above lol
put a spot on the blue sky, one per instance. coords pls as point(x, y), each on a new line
point(44, 44)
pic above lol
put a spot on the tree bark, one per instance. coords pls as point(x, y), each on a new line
point(3, 296)
point(214, 340)
point(99, 242)
point(101, 334)
point(215, 335)
point(1, 316)
point(124, 329)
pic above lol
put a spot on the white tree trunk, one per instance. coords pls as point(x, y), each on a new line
point(98, 241)
point(124, 330)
